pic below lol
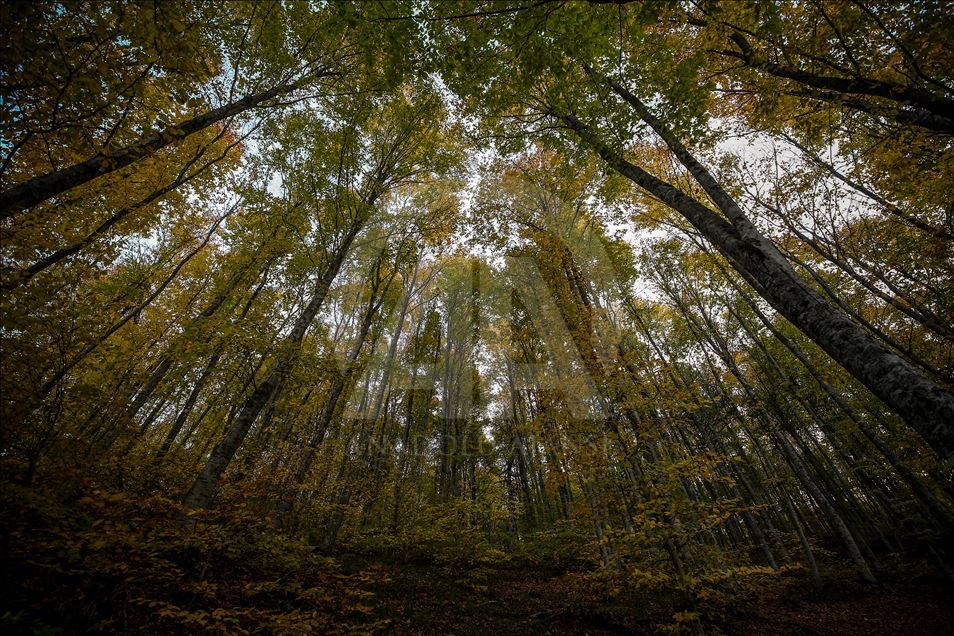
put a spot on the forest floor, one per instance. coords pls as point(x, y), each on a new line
point(428, 600)
point(78, 559)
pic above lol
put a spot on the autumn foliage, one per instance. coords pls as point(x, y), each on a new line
point(429, 317)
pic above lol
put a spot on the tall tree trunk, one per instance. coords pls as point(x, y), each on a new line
point(923, 403)
point(937, 509)
point(186, 409)
point(340, 389)
point(42, 187)
point(24, 276)
point(132, 313)
point(206, 484)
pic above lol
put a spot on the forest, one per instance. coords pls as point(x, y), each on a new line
point(476, 316)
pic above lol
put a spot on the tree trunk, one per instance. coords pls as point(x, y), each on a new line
point(132, 313)
point(923, 403)
point(204, 488)
point(42, 187)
